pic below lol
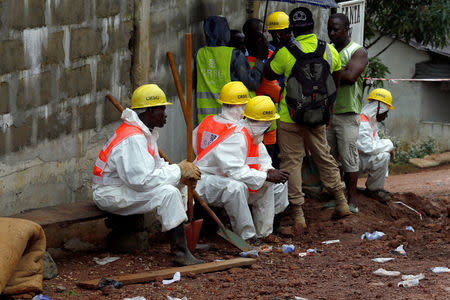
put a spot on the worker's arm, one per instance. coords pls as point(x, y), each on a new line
point(274, 68)
point(241, 71)
point(355, 67)
point(336, 65)
point(138, 169)
point(370, 144)
point(231, 155)
point(337, 78)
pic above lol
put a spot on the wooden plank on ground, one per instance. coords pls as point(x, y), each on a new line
point(63, 214)
point(168, 273)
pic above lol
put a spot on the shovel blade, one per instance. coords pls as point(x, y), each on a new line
point(192, 231)
point(234, 239)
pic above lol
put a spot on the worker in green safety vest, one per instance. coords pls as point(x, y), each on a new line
point(217, 64)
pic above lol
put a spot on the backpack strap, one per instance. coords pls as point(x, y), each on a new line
point(295, 49)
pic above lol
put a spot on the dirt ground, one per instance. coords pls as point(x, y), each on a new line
point(339, 271)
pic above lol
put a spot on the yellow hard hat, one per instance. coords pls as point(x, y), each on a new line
point(277, 21)
point(381, 95)
point(234, 92)
point(261, 108)
point(148, 95)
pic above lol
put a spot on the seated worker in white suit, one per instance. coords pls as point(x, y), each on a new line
point(131, 178)
point(237, 172)
point(233, 96)
point(375, 153)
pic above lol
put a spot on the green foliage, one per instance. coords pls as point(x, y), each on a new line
point(375, 69)
point(426, 21)
point(405, 151)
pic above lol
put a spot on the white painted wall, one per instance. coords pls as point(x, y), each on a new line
point(422, 109)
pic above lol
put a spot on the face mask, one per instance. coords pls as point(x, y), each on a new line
point(257, 130)
point(233, 112)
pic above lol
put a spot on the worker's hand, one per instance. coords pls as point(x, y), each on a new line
point(189, 171)
point(261, 46)
point(392, 153)
point(277, 176)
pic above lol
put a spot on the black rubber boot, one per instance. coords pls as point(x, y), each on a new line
point(178, 247)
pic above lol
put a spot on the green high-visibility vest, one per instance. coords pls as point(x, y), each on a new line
point(349, 97)
point(213, 72)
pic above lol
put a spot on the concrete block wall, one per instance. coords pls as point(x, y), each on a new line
point(59, 58)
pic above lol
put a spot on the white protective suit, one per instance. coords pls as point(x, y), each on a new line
point(226, 178)
point(148, 184)
point(374, 153)
point(230, 114)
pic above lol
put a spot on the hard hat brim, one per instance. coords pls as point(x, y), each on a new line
point(232, 103)
point(275, 117)
point(144, 106)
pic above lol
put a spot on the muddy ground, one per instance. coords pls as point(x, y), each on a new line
point(340, 271)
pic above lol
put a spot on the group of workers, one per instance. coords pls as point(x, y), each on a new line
point(249, 152)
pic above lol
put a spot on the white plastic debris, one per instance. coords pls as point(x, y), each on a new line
point(303, 254)
point(251, 253)
point(331, 242)
point(287, 248)
point(408, 283)
point(372, 236)
point(176, 277)
point(440, 270)
point(312, 250)
point(172, 298)
point(383, 272)
point(135, 298)
point(399, 250)
point(410, 228)
point(411, 277)
point(300, 298)
point(382, 259)
point(105, 260)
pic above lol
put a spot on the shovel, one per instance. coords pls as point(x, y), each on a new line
point(193, 227)
point(227, 234)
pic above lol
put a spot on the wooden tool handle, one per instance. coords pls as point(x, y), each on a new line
point(115, 103)
point(189, 151)
point(208, 210)
point(177, 85)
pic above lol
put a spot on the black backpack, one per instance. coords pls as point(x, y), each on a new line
point(310, 89)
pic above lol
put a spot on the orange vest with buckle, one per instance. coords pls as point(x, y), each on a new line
point(208, 131)
point(252, 159)
point(365, 119)
point(122, 132)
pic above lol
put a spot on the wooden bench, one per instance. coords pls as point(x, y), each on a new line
point(64, 214)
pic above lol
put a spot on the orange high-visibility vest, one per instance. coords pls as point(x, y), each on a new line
point(208, 131)
point(122, 132)
point(252, 159)
point(365, 119)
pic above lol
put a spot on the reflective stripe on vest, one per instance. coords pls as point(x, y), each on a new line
point(208, 131)
point(213, 72)
point(365, 119)
point(122, 132)
point(252, 159)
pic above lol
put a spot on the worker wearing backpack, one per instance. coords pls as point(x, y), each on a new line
point(311, 68)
